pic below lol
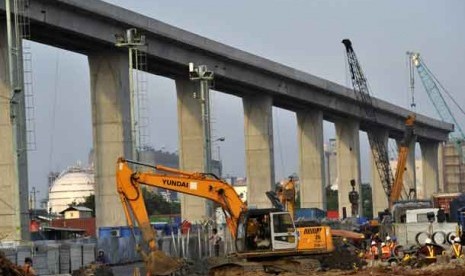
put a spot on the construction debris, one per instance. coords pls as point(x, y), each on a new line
point(9, 268)
point(94, 269)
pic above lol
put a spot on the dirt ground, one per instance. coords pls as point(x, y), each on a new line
point(432, 270)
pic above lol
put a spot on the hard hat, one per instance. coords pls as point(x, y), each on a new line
point(373, 243)
point(388, 238)
point(383, 244)
point(457, 239)
point(394, 238)
point(428, 241)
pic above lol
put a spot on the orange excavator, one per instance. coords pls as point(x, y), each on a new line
point(263, 237)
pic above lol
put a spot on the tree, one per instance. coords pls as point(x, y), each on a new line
point(89, 202)
point(157, 205)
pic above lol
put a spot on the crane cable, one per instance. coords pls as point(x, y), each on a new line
point(444, 89)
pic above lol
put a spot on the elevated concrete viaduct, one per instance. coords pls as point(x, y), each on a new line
point(89, 27)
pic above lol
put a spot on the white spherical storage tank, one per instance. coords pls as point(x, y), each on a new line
point(73, 185)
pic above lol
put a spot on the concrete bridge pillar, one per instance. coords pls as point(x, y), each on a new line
point(191, 137)
point(380, 199)
point(410, 174)
point(348, 160)
point(111, 125)
point(429, 154)
point(311, 159)
point(259, 149)
point(14, 191)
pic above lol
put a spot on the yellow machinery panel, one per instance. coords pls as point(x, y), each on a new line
point(315, 238)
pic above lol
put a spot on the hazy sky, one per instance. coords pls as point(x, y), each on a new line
point(302, 34)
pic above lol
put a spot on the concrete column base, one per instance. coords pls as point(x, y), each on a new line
point(348, 161)
point(429, 153)
point(311, 159)
point(111, 124)
point(259, 149)
point(191, 151)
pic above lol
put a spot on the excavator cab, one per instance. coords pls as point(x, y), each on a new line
point(265, 230)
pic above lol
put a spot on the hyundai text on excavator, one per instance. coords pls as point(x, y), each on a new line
point(279, 245)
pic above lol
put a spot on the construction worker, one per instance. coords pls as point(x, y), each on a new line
point(393, 246)
point(374, 252)
point(388, 242)
point(456, 248)
point(27, 267)
point(385, 251)
point(429, 252)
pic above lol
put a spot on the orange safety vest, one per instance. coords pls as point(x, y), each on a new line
point(457, 249)
point(431, 252)
point(385, 251)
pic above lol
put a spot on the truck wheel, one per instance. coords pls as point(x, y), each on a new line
point(398, 251)
point(449, 238)
point(439, 237)
point(421, 236)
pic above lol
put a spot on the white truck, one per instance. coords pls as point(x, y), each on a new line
point(419, 225)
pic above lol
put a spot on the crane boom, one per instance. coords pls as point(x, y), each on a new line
point(437, 99)
point(378, 147)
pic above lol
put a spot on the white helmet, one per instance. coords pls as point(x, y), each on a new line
point(457, 239)
point(428, 241)
point(388, 238)
point(383, 244)
point(373, 243)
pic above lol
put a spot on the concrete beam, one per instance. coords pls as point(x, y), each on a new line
point(380, 199)
point(259, 157)
point(84, 26)
point(191, 143)
point(111, 125)
point(311, 159)
point(348, 160)
point(429, 154)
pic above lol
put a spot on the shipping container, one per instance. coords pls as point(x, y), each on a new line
point(309, 214)
point(443, 201)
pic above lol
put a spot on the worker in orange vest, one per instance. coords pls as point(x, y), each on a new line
point(385, 251)
point(456, 248)
point(374, 252)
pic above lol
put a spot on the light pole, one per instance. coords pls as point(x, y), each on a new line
point(204, 76)
point(131, 40)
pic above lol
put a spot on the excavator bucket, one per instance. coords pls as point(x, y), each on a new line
point(157, 263)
